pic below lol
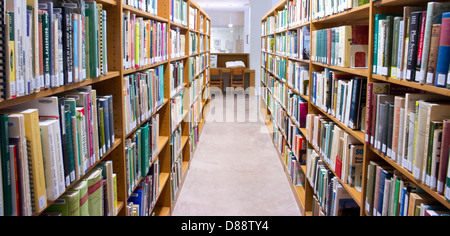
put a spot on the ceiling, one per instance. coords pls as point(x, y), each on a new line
point(223, 5)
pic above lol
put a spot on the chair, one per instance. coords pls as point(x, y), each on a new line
point(237, 78)
point(216, 82)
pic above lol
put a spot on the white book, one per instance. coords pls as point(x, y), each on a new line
point(49, 155)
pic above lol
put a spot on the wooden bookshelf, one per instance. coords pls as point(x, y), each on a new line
point(112, 83)
point(364, 14)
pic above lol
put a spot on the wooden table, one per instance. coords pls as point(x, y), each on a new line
point(248, 83)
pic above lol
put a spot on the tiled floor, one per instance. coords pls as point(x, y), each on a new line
point(235, 170)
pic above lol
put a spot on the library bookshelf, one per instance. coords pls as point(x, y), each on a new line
point(112, 83)
point(363, 14)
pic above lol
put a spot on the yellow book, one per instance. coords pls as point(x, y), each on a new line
point(115, 194)
point(11, 57)
point(37, 174)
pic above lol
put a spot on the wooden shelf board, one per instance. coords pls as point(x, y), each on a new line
point(424, 87)
point(410, 176)
point(357, 13)
point(54, 91)
point(355, 133)
point(359, 72)
point(144, 14)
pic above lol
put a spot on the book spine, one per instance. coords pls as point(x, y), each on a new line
point(444, 157)
point(6, 163)
point(420, 49)
point(443, 63)
point(433, 55)
point(4, 25)
point(46, 45)
point(414, 35)
point(12, 57)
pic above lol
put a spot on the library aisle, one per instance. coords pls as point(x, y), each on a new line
point(235, 170)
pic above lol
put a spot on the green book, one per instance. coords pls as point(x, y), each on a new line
point(93, 32)
point(5, 165)
point(388, 47)
point(87, 45)
point(82, 188)
point(395, 46)
point(396, 197)
point(68, 204)
point(102, 130)
point(362, 2)
point(145, 147)
point(46, 47)
point(95, 192)
point(378, 17)
point(105, 48)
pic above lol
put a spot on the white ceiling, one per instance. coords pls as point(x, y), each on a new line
point(223, 5)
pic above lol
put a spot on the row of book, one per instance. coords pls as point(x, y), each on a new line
point(389, 193)
point(197, 65)
point(176, 170)
point(144, 41)
point(176, 110)
point(412, 130)
point(177, 43)
point(414, 46)
point(196, 88)
point(323, 8)
point(297, 77)
point(179, 12)
point(63, 137)
point(194, 46)
point(268, 44)
point(65, 43)
point(341, 95)
point(140, 149)
point(344, 46)
point(298, 12)
point(143, 199)
point(297, 108)
point(150, 6)
point(94, 195)
point(293, 44)
point(277, 65)
point(330, 197)
point(176, 77)
point(341, 151)
point(193, 16)
point(143, 95)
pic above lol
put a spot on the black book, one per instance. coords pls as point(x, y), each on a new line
point(390, 127)
point(67, 24)
point(414, 36)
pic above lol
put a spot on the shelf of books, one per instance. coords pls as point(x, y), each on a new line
point(356, 96)
point(86, 105)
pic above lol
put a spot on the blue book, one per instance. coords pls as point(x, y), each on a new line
point(443, 63)
point(136, 198)
point(385, 174)
point(103, 103)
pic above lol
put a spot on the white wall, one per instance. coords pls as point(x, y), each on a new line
point(258, 8)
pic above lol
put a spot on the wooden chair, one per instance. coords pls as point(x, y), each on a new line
point(238, 78)
point(216, 82)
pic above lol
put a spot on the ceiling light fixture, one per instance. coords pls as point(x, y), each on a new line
point(230, 25)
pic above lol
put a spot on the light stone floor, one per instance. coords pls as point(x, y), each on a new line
point(235, 170)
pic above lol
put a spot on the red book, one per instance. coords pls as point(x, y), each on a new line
point(338, 167)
